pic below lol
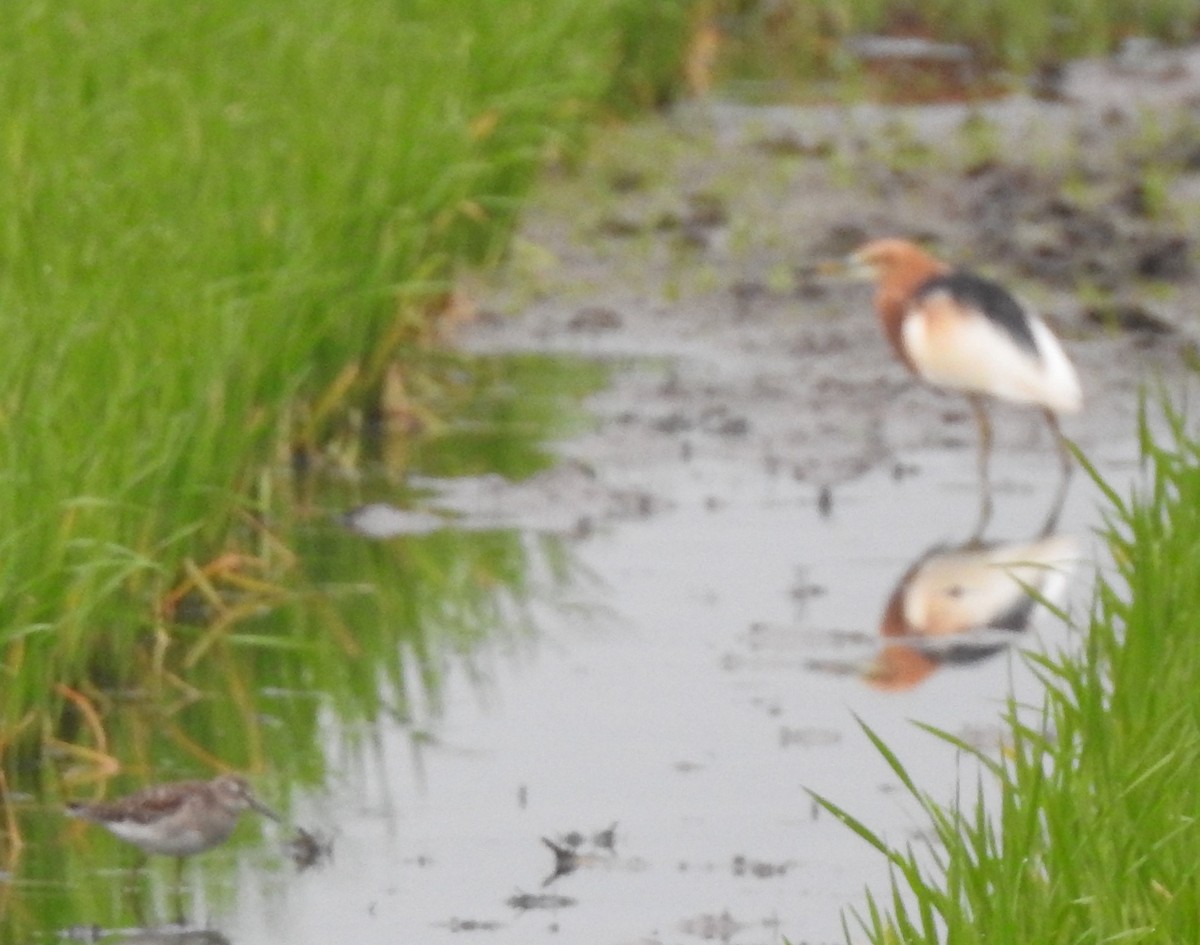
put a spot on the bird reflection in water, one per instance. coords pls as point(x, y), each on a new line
point(958, 606)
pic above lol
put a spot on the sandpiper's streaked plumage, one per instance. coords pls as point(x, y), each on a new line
point(176, 819)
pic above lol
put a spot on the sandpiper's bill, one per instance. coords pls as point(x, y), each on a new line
point(176, 819)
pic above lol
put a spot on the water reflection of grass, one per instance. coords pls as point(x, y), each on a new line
point(1096, 833)
point(366, 638)
point(357, 631)
point(496, 414)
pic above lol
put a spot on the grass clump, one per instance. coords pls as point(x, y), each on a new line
point(1096, 832)
point(217, 222)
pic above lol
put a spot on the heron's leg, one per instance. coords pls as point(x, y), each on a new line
point(979, 406)
point(1068, 467)
point(1064, 454)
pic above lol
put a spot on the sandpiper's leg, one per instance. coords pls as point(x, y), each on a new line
point(180, 918)
point(1064, 454)
point(133, 890)
point(979, 406)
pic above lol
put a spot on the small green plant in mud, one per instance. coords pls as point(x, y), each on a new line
point(781, 279)
point(900, 147)
point(1095, 833)
point(653, 44)
point(1158, 158)
point(1152, 192)
point(979, 141)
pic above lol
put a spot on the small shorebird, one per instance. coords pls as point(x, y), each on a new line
point(955, 329)
point(177, 819)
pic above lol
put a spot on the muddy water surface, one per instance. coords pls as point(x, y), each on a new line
point(703, 676)
point(763, 509)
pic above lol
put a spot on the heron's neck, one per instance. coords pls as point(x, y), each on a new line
point(895, 294)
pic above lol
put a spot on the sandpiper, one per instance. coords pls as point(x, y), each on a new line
point(176, 819)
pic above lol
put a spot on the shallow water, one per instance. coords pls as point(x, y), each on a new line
point(686, 670)
point(690, 689)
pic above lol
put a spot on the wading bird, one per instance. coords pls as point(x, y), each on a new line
point(176, 819)
point(955, 329)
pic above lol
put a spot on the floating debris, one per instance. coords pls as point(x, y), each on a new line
point(719, 928)
point(606, 839)
point(808, 737)
point(566, 860)
point(530, 901)
point(472, 925)
point(759, 869)
point(309, 849)
point(571, 851)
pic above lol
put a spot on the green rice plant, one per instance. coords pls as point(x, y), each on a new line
point(1095, 834)
point(653, 43)
point(210, 216)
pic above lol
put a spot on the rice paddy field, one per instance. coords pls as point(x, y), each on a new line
point(228, 236)
point(220, 225)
